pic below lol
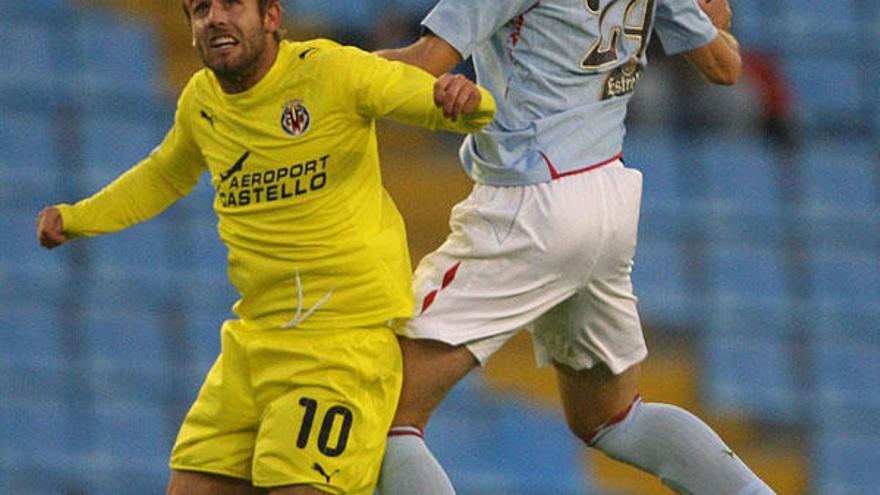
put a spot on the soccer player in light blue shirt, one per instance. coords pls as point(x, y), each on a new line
point(546, 239)
point(565, 71)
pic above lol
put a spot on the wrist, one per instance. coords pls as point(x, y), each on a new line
point(720, 25)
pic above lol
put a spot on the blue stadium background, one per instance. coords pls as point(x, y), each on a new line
point(759, 255)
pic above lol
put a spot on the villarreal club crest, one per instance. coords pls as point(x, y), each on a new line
point(295, 118)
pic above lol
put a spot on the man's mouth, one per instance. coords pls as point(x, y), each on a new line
point(222, 41)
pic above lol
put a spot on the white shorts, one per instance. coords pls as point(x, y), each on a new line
point(554, 258)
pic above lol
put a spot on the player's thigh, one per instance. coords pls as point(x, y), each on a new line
point(430, 369)
point(296, 490)
point(328, 427)
point(194, 483)
point(318, 438)
point(592, 397)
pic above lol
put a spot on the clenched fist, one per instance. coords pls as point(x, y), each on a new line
point(456, 95)
point(50, 228)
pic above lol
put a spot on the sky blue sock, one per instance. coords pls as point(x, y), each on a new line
point(678, 448)
point(409, 467)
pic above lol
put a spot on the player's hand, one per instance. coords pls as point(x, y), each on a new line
point(456, 95)
point(719, 12)
point(50, 228)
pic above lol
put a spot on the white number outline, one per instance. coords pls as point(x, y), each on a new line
point(634, 32)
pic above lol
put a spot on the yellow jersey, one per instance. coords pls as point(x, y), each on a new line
point(314, 239)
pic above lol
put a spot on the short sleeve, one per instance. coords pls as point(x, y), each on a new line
point(464, 24)
point(682, 26)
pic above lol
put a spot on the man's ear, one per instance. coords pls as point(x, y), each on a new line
point(274, 15)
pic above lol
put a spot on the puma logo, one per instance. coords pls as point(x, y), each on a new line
point(210, 118)
point(306, 52)
point(235, 168)
point(317, 467)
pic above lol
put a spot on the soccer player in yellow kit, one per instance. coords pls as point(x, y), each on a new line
point(303, 393)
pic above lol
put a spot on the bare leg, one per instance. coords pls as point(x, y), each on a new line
point(593, 397)
point(195, 483)
point(430, 370)
point(296, 490)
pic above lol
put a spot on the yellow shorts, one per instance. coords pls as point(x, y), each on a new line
point(284, 407)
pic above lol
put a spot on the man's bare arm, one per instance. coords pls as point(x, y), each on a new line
point(454, 93)
point(430, 53)
point(719, 61)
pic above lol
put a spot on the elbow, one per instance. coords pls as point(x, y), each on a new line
point(725, 78)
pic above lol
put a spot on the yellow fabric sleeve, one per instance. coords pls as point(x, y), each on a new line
point(169, 173)
point(404, 93)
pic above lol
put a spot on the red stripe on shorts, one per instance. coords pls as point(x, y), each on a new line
point(448, 277)
point(429, 300)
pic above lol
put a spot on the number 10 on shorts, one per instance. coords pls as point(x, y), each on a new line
point(335, 426)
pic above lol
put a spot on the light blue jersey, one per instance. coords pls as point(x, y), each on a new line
point(562, 72)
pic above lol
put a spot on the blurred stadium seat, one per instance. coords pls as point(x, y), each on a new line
point(751, 375)
point(38, 445)
point(742, 197)
point(119, 287)
point(457, 434)
point(752, 25)
point(539, 452)
point(835, 323)
point(104, 65)
point(30, 180)
point(493, 444)
point(846, 464)
point(666, 213)
point(114, 140)
point(27, 58)
point(661, 284)
point(131, 449)
point(35, 9)
point(144, 250)
point(847, 376)
point(841, 194)
point(815, 80)
point(748, 290)
point(125, 354)
point(350, 18)
point(845, 279)
point(27, 272)
point(823, 29)
point(32, 357)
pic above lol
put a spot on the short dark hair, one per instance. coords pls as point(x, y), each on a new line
point(262, 4)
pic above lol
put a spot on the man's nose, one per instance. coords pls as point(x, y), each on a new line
point(217, 13)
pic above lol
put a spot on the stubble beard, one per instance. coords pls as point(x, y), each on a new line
point(241, 65)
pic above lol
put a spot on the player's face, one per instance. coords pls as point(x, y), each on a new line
point(232, 37)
